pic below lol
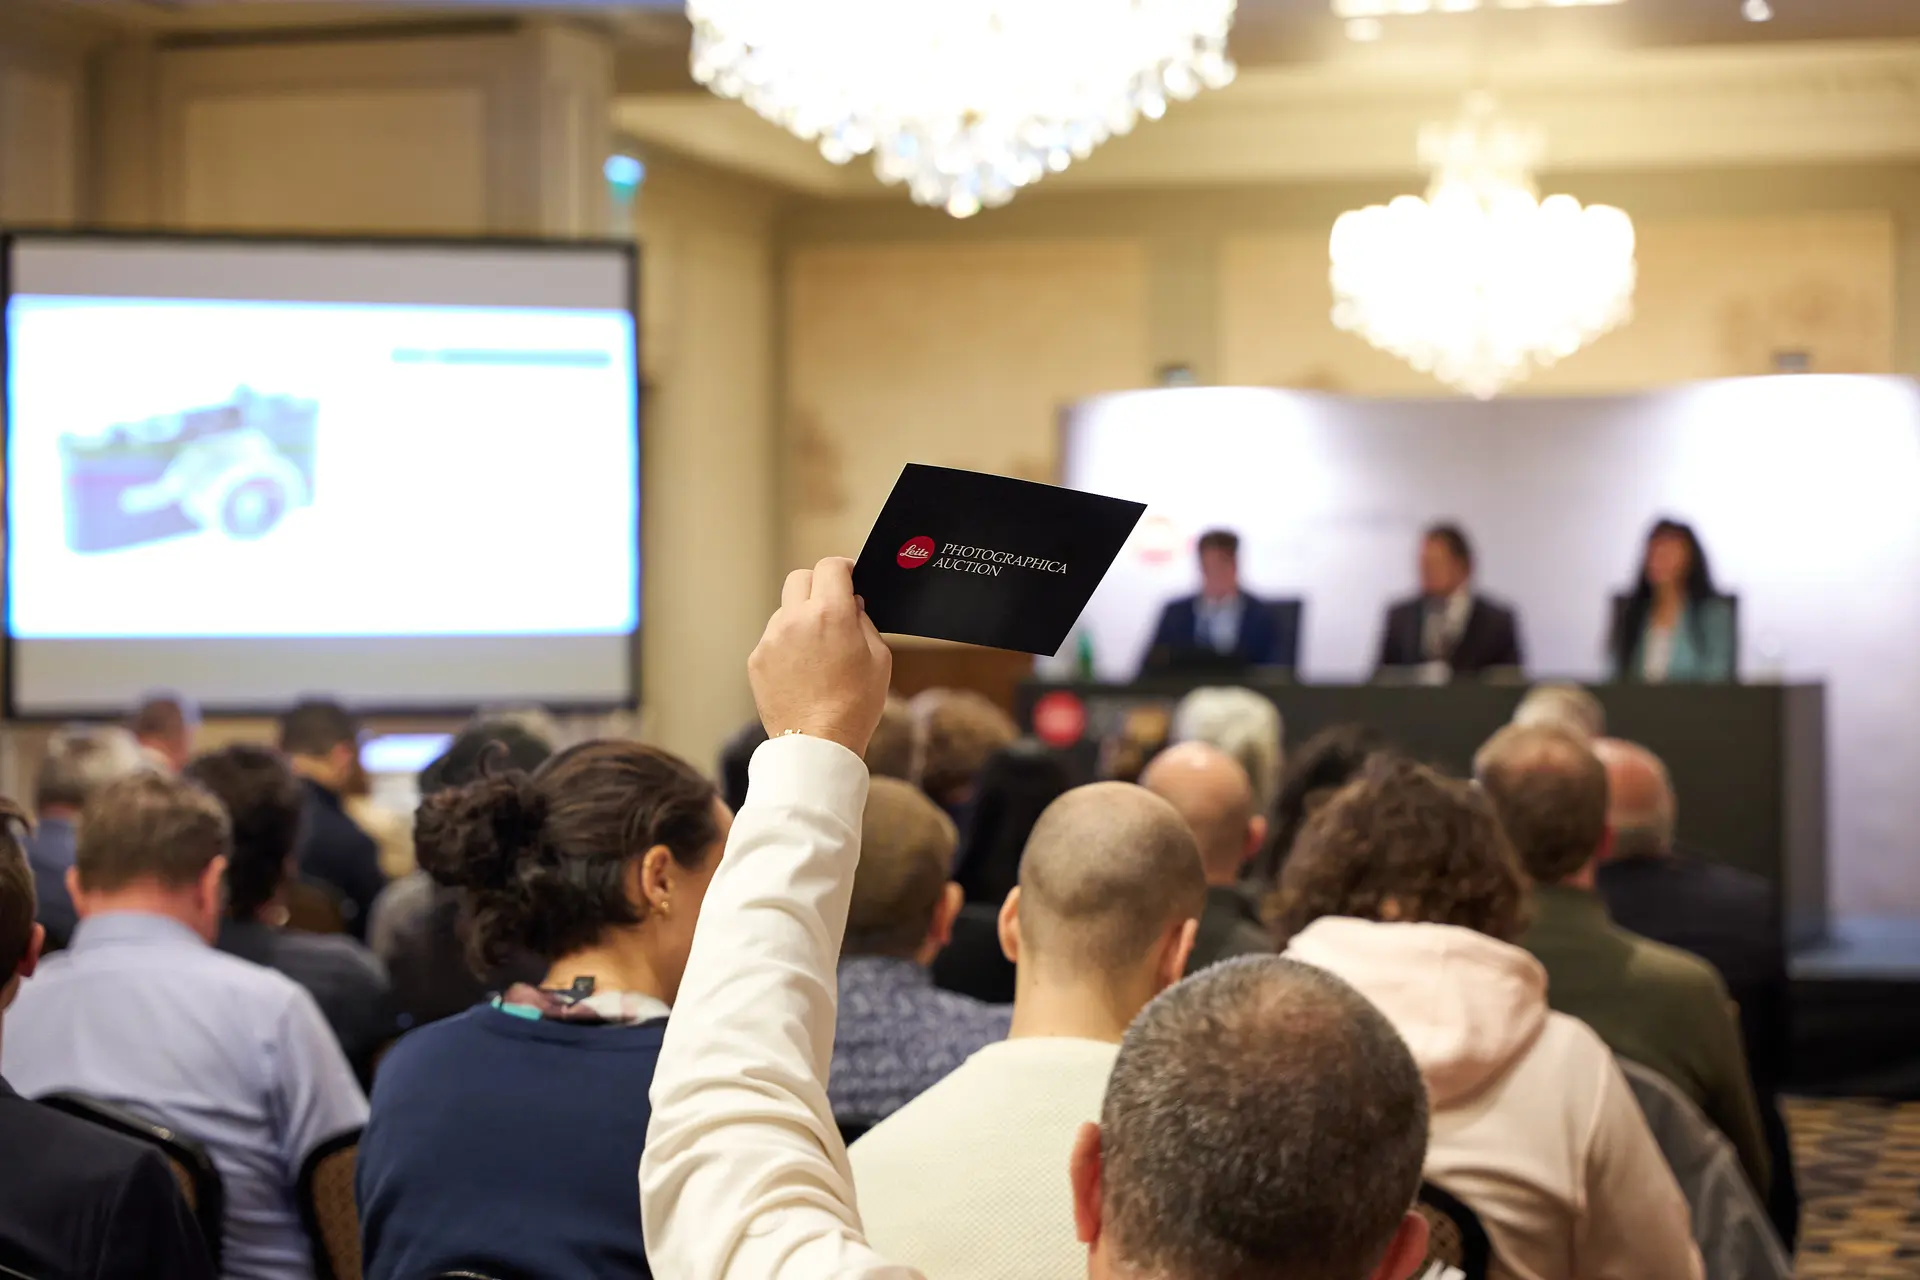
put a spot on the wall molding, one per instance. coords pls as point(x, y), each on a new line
point(1840, 102)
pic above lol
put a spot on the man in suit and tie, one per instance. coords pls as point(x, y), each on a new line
point(1223, 625)
point(1448, 626)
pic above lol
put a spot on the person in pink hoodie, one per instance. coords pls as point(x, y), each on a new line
point(1404, 885)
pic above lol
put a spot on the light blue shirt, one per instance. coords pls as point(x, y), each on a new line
point(139, 1011)
point(1216, 623)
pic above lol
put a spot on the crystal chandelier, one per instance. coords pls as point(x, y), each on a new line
point(964, 101)
point(1482, 282)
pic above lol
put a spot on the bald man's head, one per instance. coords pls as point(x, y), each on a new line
point(1640, 803)
point(1108, 870)
point(1210, 789)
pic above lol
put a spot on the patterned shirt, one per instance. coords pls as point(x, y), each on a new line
point(899, 1035)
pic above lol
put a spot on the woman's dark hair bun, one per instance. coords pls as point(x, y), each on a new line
point(478, 836)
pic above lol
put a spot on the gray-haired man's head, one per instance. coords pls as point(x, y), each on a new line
point(1640, 803)
point(79, 759)
point(1263, 1122)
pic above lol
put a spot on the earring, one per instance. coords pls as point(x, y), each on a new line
point(665, 908)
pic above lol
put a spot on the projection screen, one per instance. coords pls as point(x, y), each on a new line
point(402, 473)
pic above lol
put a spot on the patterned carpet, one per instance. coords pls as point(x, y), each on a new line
point(1859, 1167)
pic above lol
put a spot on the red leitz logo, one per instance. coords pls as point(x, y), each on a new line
point(915, 553)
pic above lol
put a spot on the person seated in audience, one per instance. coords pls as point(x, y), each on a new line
point(1211, 793)
point(956, 731)
point(1562, 706)
point(504, 1139)
point(1323, 764)
point(965, 1180)
point(899, 1035)
point(1726, 916)
point(1653, 1004)
point(78, 761)
point(1015, 788)
point(76, 1199)
point(164, 724)
point(1449, 628)
point(735, 753)
point(141, 1011)
point(1244, 724)
point(890, 754)
point(322, 741)
point(263, 801)
point(418, 926)
point(1405, 885)
point(1289, 1148)
point(1674, 626)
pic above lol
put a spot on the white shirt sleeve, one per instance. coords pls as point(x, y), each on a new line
point(744, 1176)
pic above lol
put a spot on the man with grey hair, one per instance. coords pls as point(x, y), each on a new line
point(965, 1182)
point(1211, 792)
point(1244, 724)
point(1263, 1120)
point(78, 760)
point(1726, 916)
point(1562, 706)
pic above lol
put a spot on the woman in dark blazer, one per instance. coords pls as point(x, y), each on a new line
point(1674, 627)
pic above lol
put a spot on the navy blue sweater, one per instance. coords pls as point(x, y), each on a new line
point(508, 1145)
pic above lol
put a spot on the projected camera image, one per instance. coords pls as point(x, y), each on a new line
point(233, 470)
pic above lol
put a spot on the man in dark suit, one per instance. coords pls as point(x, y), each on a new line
point(1223, 624)
point(1213, 794)
point(1726, 916)
point(322, 743)
point(1447, 625)
point(76, 1199)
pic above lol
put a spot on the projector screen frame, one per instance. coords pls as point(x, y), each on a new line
point(628, 250)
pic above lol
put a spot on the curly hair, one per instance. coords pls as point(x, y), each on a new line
point(544, 855)
point(1403, 844)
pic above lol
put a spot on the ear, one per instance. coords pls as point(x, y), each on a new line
point(1407, 1252)
point(1010, 926)
point(1084, 1172)
point(1605, 851)
point(1256, 837)
point(1173, 961)
point(648, 882)
point(36, 943)
point(213, 886)
point(945, 912)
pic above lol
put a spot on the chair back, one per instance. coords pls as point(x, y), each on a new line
point(1457, 1245)
point(192, 1167)
point(327, 1207)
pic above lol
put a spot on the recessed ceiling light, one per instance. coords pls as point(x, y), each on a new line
point(1756, 11)
point(1364, 30)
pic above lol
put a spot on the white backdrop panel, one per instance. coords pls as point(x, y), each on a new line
point(1805, 490)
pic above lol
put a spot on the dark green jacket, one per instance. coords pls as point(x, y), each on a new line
point(1654, 1004)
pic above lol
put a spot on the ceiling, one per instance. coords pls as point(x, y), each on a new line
point(1267, 32)
point(1271, 32)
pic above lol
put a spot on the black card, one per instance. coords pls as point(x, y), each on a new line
point(959, 555)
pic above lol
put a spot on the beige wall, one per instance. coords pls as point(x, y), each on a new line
point(711, 513)
point(910, 336)
point(951, 355)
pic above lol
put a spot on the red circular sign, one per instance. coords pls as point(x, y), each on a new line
point(1059, 719)
point(916, 552)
